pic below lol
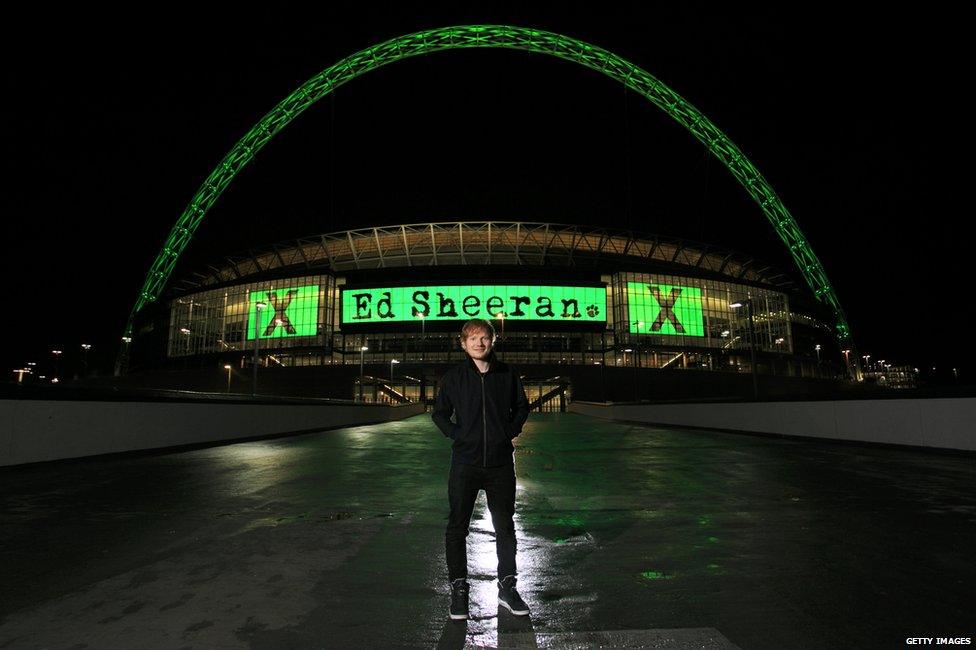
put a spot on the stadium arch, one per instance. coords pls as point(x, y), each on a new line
point(490, 36)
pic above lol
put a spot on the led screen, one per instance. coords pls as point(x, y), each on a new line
point(665, 309)
point(516, 302)
point(287, 312)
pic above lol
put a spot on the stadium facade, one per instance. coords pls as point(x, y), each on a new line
point(558, 295)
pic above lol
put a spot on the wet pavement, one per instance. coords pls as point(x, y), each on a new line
point(628, 536)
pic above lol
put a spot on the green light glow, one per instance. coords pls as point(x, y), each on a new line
point(437, 302)
point(491, 36)
point(665, 309)
point(288, 312)
point(570, 520)
point(656, 575)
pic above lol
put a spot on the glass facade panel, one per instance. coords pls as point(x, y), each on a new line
point(296, 312)
point(674, 311)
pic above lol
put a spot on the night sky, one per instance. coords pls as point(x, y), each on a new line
point(853, 120)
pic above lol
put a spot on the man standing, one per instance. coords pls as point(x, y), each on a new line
point(489, 406)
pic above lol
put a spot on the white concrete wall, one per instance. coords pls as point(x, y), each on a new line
point(39, 430)
point(942, 423)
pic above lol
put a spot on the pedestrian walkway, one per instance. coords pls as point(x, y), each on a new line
point(628, 536)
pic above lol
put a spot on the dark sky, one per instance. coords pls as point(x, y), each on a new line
point(853, 119)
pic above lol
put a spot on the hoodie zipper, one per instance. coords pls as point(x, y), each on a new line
point(484, 423)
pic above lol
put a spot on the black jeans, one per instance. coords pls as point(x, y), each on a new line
point(462, 490)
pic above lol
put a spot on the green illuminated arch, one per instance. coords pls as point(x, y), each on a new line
point(492, 36)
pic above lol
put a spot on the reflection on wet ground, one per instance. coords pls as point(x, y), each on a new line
point(628, 536)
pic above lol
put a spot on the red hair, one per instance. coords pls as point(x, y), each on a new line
point(477, 324)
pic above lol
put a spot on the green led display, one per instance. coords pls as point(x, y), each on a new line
point(516, 302)
point(286, 313)
point(665, 309)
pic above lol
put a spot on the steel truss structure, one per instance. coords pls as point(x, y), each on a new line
point(480, 242)
point(492, 36)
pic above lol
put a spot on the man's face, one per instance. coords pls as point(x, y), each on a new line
point(477, 344)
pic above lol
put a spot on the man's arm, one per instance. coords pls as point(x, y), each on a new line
point(520, 405)
point(443, 409)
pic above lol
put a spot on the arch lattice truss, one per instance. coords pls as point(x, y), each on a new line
point(493, 36)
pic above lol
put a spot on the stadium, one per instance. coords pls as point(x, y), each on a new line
point(584, 312)
point(373, 314)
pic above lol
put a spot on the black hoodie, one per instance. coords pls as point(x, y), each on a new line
point(489, 408)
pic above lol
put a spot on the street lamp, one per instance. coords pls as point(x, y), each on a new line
point(258, 306)
point(122, 363)
point(847, 361)
point(639, 324)
point(392, 362)
point(85, 347)
point(603, 381)
point(186, 331)
point(752, 344)
point(227, 368)
point(57, 361)
point(501, 315)
point(633, 353)
point(423, 334)
point(362, 350)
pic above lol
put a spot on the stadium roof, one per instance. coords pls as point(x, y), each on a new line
point(479, 243)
